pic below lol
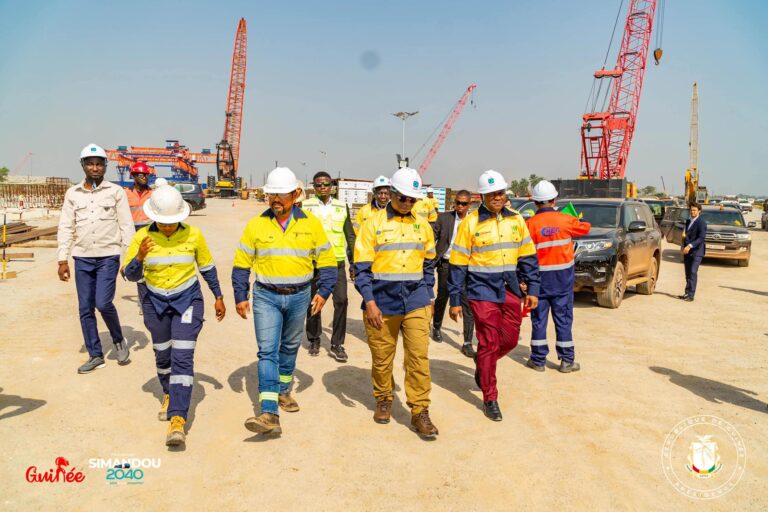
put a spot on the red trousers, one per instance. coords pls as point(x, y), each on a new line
point(498, 328)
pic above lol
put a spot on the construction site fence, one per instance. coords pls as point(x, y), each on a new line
point(34, 195)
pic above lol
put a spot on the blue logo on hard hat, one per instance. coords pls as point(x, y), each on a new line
point(415, 183)
point(490, 181)
point(93, 150)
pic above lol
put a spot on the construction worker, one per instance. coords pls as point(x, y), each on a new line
point(95, 227)
point(445, 233)
point(427, 207)
point(491, 255)
point(168, 254)
point(334, 215)
point(394, 272)
point(282, 246)
point(137, 195)
point(553, 232)
point(379, 202)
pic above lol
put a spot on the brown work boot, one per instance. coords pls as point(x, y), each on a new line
point(264, 423)
point(422, 425)
point(383, 411)
point(287, 402)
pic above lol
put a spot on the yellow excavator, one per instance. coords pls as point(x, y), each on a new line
point(693, 191)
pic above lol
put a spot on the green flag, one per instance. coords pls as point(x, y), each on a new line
point(571, 210)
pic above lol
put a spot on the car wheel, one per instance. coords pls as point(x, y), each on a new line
point(611, 297)
point(191, 207)
point(743, 263)
point(648, 287)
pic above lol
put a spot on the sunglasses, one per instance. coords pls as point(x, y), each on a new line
point(286, 196)
point(406, 199)
point(461, 203)
point(322, 184)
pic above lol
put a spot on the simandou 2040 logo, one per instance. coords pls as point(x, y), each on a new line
point(129, 470)
point(58, 475)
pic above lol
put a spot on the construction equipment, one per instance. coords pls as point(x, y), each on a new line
point(447, 126)
point(606, 133)
point(693, 191)
point(228, 150)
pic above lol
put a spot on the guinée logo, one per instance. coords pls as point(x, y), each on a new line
point(59, 474)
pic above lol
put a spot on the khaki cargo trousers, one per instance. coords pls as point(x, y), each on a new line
point(415, 328)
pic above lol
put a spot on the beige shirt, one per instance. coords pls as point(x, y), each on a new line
point(94, 223)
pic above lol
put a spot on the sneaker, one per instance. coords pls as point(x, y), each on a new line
point(530, 364)
point(264, 423)
point(422, 425)
point(383, 411)
point(491, 410)
point(163, 414)
point(338, 353)
point(176, 435)
point(123, 356)
point(467, 350)
point(437, 335)
point(314, 348)
point(287, 402)
point(93, 363)
point(566, 367)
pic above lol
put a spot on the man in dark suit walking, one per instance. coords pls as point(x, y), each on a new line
point(445, 232)
point(693, 247)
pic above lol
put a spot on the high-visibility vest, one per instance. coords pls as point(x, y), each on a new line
point(136, 204)
point(332, 217)
point(284, 258)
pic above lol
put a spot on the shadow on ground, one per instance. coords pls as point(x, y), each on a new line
point(137, 340)
point(352, 387)
point(246, 378)
point(17, 405)
point(746, 290)
point(198, 393)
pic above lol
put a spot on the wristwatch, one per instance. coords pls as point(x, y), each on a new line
point(220, 297)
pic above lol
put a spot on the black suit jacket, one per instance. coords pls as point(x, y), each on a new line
point(444, 232)
point(695, 236)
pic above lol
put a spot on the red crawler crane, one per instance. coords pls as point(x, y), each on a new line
point(606, 136)
point(446, 130)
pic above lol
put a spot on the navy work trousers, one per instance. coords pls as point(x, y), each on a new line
point(95, 280)
point(562, 314)
point(691, 263)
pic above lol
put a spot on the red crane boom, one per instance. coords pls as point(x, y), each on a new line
point(228, 150)
point(606, 136)
point(446, 130)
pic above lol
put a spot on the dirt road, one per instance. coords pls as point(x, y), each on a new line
point(586, 441)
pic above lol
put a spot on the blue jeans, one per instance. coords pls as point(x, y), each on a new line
point(95, 280)
point(279, 322)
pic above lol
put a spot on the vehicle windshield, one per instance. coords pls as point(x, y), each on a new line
point(517, 202)
point(723, 218)
point(657, 207)
point(599, 215)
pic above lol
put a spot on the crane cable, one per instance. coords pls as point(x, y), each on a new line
point(659, 32)
point(605, 61)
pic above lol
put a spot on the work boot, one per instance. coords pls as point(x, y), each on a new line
point(491, 410)
point(163, 414)
point(422, 425)
point(264, 423)
point(176, 435)
point(287, 402)
point(467, 350)
point(566, 367)
point(530, 364)
point(338, 353)
point(123, 356)
point(314, 348)
point(383, 411)
point(93, 363)
point(437, 335)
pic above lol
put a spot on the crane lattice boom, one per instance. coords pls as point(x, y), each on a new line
point(228, 150)
point(446, 130)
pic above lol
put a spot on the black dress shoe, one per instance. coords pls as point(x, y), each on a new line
point(682, 297)
point(491, 410)
point(437, 335)
point(688, 299)
point(467, 350)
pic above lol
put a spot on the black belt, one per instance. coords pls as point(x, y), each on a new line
point(288, 290)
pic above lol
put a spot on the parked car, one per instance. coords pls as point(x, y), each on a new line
point(192, 194)
point(517, 202)
point(727, 233)
point(658, 206)
point(764, 219)
point(622, 249)
point(745, 205)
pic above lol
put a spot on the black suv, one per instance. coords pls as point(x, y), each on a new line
point(623, 248)
point(192, 194)
point(727, 233)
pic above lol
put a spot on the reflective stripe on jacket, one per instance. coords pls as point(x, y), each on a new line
point(425, 208)
point(365, 213)
point(552, 232)
point(492, 252)
point(332, 218)
point(136, 204)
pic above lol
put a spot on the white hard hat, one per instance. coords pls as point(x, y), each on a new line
point(407, 181)
point(430, 190)
point(491, 181)
point(93, 150)
point(160, 182)
point(281, 180)
point(381, 181)
point(166, 205)
point(300, 187)
point(544, 191)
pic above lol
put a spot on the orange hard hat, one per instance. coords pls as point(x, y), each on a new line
point(140, 168)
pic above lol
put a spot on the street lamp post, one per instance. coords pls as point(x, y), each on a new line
point(325, 160)
point(403, 117)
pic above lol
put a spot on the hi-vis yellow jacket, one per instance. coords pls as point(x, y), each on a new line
point(492, 252)
point(426, 209)
point(365, 213)
point(394, 261)
point(170, 268)
point(284, 259)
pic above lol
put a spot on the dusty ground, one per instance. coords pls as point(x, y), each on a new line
point(586, 441)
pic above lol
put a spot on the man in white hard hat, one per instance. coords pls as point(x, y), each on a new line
point(167, 254)
point(394, 272)
point(553, 232)
point(379, 202)
point(491, 255)
point(283, 246)
point(95, 227)
point(426, 207)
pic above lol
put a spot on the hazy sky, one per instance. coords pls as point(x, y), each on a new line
point(327, 76)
